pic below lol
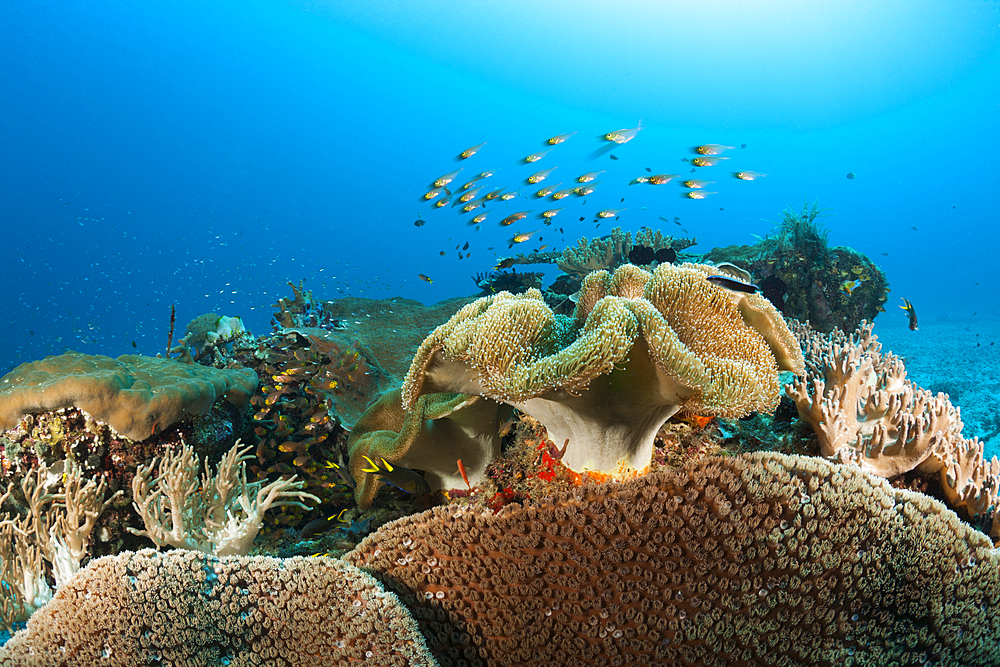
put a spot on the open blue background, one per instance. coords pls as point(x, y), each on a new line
point(205, 153)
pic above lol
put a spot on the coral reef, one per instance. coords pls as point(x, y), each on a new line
point(830, 287)
point(610, 252)
point(762, 559)
point(641, 346)
point(805, 278)
point(136, 396)
point(187, 608)
point(508, 281)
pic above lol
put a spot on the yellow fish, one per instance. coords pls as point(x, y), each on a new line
point(442, 202)
point(540, 176)
point(446, 179)
point(698, 194)
point(514, 217)
point(425, 278)
point(431, 194)
point(589, 176)
point(711, 149)
point(609, 212)
point(562, 194)
point(695, 183)
point(493, 195)
point(523, 236)
point(559, 138)
point(623, 136)
point(479, 218)
point(547, 190)
point(584, 190)
point(660, 179)
point(472, 206)
point(470, 195)
point(469, 152)
point(535, 157)
point(707, 161)
point(486, 174)
point(552, 212)
point(748, 175)
point(508, 196)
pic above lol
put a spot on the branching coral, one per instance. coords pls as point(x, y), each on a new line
point(640, 347)
point(219, 513)
point(865, 411)
point(762, 559)
point(51, 537)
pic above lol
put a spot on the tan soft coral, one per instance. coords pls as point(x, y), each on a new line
point(641, 346)
point(865, 411)
point(759, 559)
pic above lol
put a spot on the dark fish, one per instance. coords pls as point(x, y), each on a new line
point(912, 312)
point(466, 246)
point(851, 175)
point(582, 218)
point(885, 254)
point(613, 157)
point(420, 223)
point(732, 284)
point(649, 170)
point(134, 345)
point(401, 478)
point(914, 228)
point(743, 145)
point(505, 263)
point(425, 278)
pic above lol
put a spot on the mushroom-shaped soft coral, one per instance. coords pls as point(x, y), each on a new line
point(640, 346)
point(437, 431)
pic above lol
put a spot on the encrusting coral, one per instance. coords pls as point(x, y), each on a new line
point(640, 347)
point(186, 608)
point(137, 396)
point(432, 435)
point(865, 411)
point(760, 559)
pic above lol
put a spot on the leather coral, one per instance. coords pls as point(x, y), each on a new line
point(865, 411)
point(640, 347)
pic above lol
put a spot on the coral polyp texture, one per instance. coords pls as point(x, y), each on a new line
point(137, 396)
point(760, 559)
point(186, 608)
point(640, 346)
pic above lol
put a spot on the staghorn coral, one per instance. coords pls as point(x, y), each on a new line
point(865, 411)
point(431, 436)
point(137, 396)
point(762, 559)
point(187, 608)
point(641, 346)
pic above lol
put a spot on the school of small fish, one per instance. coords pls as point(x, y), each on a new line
point(467, 197)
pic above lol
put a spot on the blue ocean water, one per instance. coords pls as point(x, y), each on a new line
point(203, 154)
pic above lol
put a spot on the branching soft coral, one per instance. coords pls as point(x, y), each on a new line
point(218, 513)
